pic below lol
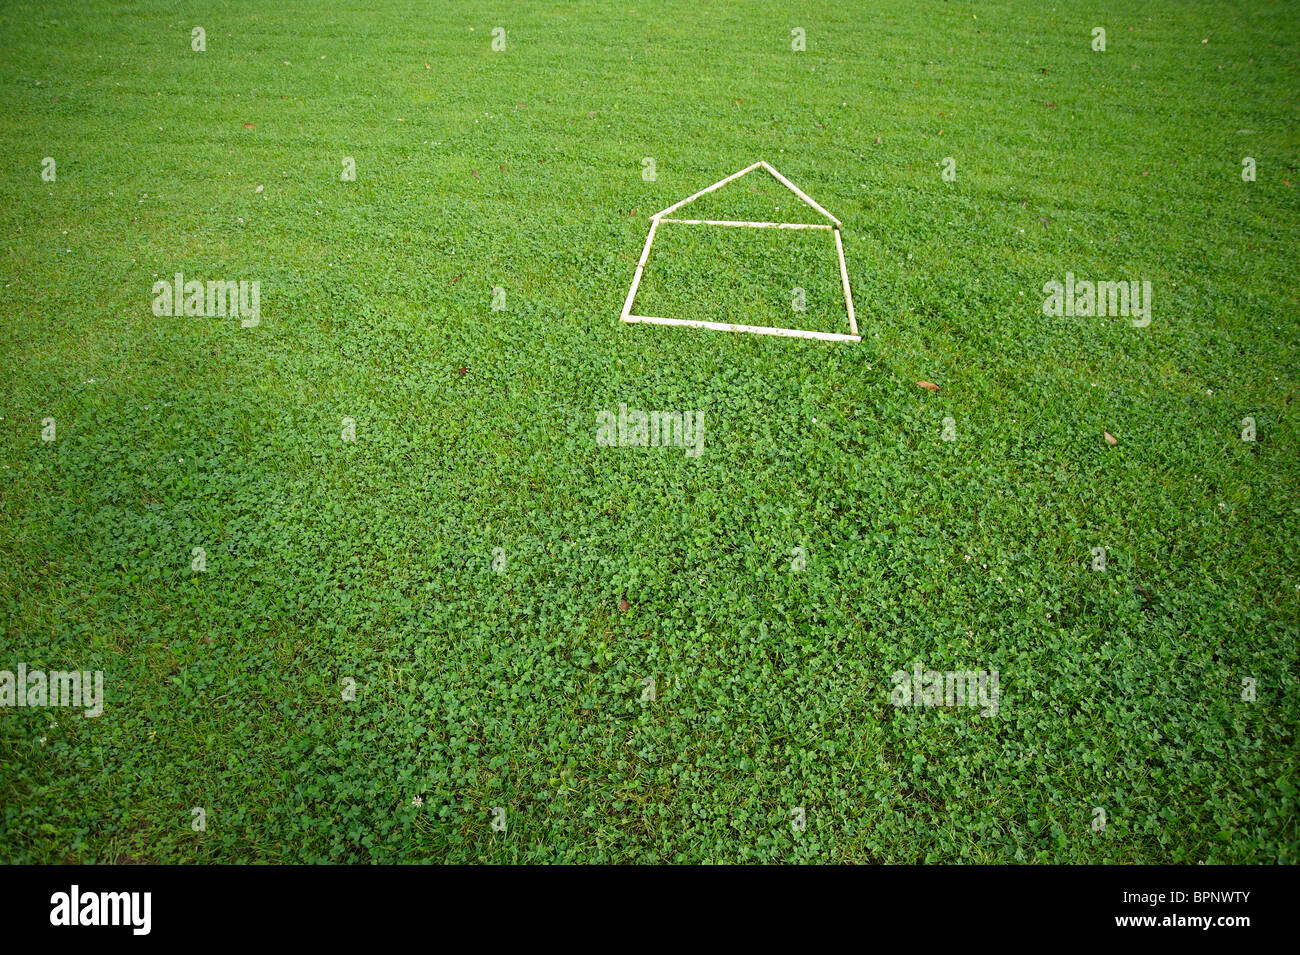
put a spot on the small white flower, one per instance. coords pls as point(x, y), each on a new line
point(417, 802)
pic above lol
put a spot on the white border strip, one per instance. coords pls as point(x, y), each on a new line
point(753, 329)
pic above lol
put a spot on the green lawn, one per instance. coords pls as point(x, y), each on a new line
point(514, 678)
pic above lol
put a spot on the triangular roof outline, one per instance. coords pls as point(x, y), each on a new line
point(803, 196)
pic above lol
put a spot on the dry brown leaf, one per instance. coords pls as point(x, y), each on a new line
point(927, 385)
point(1111, 439)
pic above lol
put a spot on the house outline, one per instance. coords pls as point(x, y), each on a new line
point(834, 227)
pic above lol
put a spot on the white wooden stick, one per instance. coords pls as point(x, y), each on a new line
point(799, 192)
point(752, 225)
point(717, 185)
point(753, 329)
point(844, 275)
point(640, 267)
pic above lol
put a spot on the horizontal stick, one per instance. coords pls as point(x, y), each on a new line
point(752, 225)
point(753, 329)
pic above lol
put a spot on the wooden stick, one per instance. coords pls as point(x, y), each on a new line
point(752, 225)
point(844, 275)
point(717, 185)
point(753, 329)
point(799, 192)
point(640, 267)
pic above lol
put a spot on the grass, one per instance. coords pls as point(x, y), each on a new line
point(329, 561)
